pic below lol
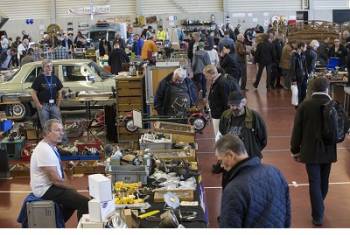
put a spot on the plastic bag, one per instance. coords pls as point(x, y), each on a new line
point(294, 89)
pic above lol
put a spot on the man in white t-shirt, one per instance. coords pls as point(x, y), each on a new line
point(47, 178)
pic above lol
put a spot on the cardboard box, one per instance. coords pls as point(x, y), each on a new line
point(130, 218)
point(100, 187)
point(85, 222)
point(183, 194)
point(100, 211)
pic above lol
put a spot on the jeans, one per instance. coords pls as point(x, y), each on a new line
point(201, 83)
point(318, 175)
point(49, 112)
point(302, 86)
point(268, 75)
point(69, 199)
point(243, 67)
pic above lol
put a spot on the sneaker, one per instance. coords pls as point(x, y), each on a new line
point(216, 168)
point(317, 222)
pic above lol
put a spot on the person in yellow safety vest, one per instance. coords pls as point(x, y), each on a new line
point(161, 34)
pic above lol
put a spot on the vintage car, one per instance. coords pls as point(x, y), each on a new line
point(76, 76)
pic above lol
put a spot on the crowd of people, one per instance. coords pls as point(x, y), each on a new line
point(254, 194)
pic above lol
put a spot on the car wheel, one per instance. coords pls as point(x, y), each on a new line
point(199, 123)
point(18, 111)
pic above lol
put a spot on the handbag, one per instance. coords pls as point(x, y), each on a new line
point(294, 89)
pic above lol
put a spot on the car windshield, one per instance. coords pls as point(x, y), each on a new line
point(100, 72)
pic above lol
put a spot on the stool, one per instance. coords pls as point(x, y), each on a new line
point(41, 214)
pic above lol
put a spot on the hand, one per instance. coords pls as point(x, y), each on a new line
point(39, 106)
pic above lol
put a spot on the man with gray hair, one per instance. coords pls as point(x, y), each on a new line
point(176, 93)
point(46, 94)
point(256, 195)
point(47, 178)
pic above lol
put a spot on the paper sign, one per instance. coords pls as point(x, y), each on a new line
point(255, 19)
point(238, 14)
point(266, 14)
point(250, 14)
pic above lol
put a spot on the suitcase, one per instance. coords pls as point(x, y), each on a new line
point(41, 214)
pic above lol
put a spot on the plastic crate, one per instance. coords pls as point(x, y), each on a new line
point(156, 146)
point(332, 63)
point(6, 125)
point(13, 148)
point(80, 157)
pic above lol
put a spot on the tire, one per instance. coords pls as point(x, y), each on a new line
point(129, 125)
point(18, 111)
point(198, 122)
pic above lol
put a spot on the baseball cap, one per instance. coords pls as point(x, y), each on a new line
point(235, 97)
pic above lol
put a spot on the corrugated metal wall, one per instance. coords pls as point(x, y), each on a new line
point(118, 7)
point(19, 10)
point(330, 4)
point(261, 5)
point(154, 7)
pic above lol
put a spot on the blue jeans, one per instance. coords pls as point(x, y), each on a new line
point(318, 175)
point(49, 112)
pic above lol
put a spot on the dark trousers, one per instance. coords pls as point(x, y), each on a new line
point(268, 75)
point(276, 75)
point(201, 83)
point(69, 199)
point(243, 67)
point(302, 85)
point(318, 175)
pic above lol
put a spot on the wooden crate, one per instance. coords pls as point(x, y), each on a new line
point(181, 132)
point(178, 154)
point(129, 97)
point(183, 194)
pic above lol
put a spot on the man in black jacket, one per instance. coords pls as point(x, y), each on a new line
point(298, 71)
point(264, 57)
point(308, 147)
point(218, 93)
point(229, 62)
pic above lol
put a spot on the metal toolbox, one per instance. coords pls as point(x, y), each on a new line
point(41, 214)
point(127, 173)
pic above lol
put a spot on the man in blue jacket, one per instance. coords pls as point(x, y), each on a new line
point(256, 195)
point(175, 95)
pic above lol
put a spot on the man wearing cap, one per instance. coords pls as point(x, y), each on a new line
point(241, 121)
point(176, 93)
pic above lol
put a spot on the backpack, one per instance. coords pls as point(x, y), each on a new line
point(231, 83)
point(334, 123)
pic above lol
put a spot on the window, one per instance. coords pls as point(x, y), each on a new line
point(72, 73)
point(35, 73)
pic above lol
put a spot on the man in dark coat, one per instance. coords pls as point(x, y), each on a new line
point(176, 93)
point(229, 62)
point(256, 195)
point(117, 58)
point(308, 147)
point(193, 45)
point(298, 71)
point(264, 57)
point(218, 94)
